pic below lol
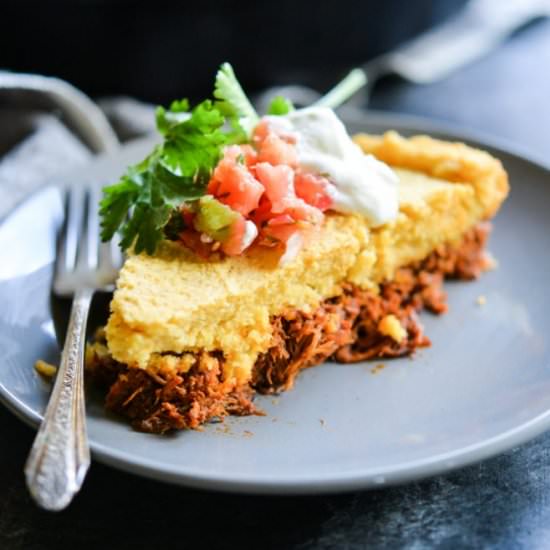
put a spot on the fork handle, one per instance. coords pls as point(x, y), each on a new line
point(60, 456)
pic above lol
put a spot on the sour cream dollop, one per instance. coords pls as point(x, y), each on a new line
point(362, 183)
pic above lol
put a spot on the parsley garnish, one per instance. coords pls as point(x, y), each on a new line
point(280, 106)
point(179, 169)
point(233, 101)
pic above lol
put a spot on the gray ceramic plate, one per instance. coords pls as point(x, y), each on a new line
point(483, 387)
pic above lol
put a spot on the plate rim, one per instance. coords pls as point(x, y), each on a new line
point(302, 485)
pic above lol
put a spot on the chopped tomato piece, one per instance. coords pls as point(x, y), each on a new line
point(240, 153)
point(275, 150)
point(280, 232)
point(313, 189)
point(283, 219)
point(263, 213)
point(278, 182)
point(238, 240)
point(269, 126)
point(261, 131)
point(234, 185)
point(301, 211)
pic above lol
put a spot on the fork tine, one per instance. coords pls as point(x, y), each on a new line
point(81, 259)
point(70, 234)
point(110, 260)
point(88, 253)
point(61, 257)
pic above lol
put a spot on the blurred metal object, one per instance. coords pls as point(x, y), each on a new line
point(475, 31)
point(79, 112)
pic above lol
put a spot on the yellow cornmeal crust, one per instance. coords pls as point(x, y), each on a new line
point(431, 214)
point(174, 302)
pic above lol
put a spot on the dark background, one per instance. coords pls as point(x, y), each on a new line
point(502, 503)
point(158, 50)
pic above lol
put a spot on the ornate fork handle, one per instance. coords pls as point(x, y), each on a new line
point(60, 456)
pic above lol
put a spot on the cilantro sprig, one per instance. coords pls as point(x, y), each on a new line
point(232, 101)
point(143, 201)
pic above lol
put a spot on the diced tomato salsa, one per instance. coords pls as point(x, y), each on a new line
point(258, 194)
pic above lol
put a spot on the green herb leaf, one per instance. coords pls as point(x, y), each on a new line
point(233, 102)
point(149, 195)
point(178, 112)
point(114, 207)
point(193, 147)
point(177, 171)
point(280, 106)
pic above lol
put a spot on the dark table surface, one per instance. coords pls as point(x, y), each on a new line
point(503, 502)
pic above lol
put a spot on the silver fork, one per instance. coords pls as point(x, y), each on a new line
point(60, 455)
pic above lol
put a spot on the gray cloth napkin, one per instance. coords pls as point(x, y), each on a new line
point(35, 145)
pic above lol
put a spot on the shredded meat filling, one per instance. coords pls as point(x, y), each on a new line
point(167, 400)
point(346, 328)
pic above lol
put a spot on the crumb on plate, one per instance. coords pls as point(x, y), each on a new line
point(377, 368)
point(47, 370)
